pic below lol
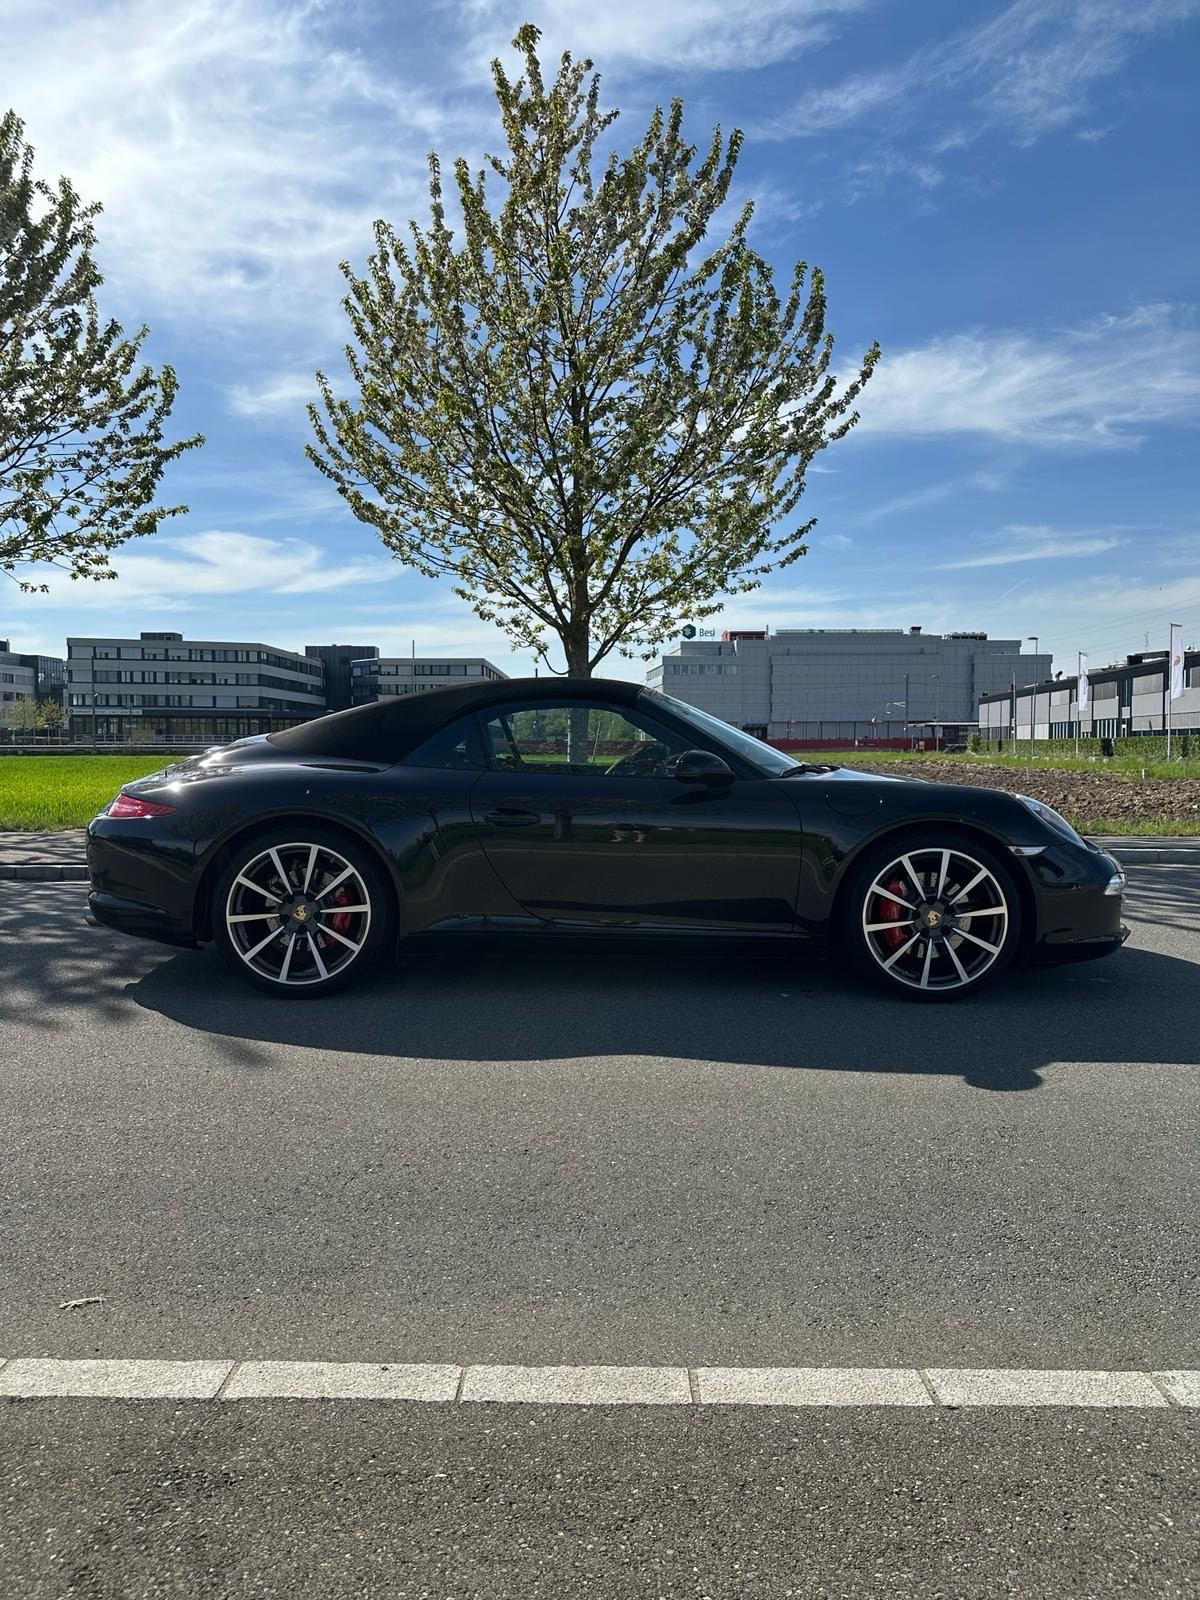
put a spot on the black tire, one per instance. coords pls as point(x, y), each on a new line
point(964, 949)
point(336, 913)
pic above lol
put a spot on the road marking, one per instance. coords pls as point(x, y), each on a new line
point(580, 1386)
point(811, 1386)
point(114, 1380)
point(956, 1387)
point(1183, 1387)
point(340, 1380)
point(450, 1384)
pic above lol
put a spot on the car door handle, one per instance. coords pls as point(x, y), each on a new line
point(512, 819)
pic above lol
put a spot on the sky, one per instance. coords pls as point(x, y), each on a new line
point(1004, 195)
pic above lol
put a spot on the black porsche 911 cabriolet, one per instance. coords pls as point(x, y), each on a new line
point(549, 805)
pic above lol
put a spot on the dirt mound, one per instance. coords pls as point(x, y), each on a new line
point(1087, 798)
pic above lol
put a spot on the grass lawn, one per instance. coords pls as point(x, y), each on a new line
point(47, 793)
point(1125, 767)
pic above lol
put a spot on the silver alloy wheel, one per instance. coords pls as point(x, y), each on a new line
point(298, 913)
point(935, 919)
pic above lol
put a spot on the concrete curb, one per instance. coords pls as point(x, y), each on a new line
point(45, 872)
point(1181, 851)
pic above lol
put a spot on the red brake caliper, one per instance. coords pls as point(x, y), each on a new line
point(340, 920)
point(890, 911)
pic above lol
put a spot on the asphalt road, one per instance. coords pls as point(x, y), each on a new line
point(622, 1155)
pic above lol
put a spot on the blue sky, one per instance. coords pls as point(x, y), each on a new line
point(1003, 195)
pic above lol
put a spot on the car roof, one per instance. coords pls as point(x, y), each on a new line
point(387, 730)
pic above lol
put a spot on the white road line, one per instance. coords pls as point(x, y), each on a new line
point(810, 1386)
point(1183, 1387)
point(341, 1380)
point(449, 1383)
point(114, 1380)
point(580, 1386)
point(956, 1387)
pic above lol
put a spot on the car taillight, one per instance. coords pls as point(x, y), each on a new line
point(131, 805)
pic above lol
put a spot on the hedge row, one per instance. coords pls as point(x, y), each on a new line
point(1136, 747)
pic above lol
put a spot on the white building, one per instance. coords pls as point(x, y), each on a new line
point(835, 685)
point(18, 675)
point(161, 686)
point(382, 678)
point(1126, 699)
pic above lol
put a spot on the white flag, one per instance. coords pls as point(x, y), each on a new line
point(1176, 660)
point(1084, 695)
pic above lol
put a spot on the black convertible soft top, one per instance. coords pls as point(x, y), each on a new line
point(388, 730)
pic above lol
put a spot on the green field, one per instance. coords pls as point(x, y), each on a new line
point(1120, 767)
point(47, 793)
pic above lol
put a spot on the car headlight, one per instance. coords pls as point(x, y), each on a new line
point(1051, 818)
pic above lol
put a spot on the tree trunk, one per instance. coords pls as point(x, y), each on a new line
point(577, 648)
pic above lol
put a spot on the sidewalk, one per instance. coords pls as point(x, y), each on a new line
point(44, 857)
point(59, 857)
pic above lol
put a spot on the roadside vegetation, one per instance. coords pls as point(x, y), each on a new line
point(1102, 797)
point(49, 793)
point(1129, 767)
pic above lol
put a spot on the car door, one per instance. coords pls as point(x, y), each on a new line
point(584, 822)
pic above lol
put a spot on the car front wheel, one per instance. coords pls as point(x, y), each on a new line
point(933, 919)
point(301, 912)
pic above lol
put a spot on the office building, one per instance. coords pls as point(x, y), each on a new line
point(337, 661)
point(29, 677)
point(381, 678)
point(833, 686)
point(161, 686)
point(1124, 699)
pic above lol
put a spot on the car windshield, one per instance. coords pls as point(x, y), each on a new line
point(763, 757)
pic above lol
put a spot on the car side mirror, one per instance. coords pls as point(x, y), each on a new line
point(702, 766)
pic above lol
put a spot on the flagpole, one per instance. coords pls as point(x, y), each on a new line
point(1175, 674)
point(1083, 696)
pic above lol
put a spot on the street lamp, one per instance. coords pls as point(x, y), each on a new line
point(1034, 641)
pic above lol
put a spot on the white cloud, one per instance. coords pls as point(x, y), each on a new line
point(239, 151)
point(1019, 542)
point(1030, 70)
point(1099, 385)
point(176, 572)
point(704, 34)
point(286, 392)
point(1039, 59)
point(933, 494)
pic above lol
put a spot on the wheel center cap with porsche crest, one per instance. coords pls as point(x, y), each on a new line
point(300, 913)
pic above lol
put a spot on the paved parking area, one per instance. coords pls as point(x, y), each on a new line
point(566, 1156)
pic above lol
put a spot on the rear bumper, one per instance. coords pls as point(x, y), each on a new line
point(142, 879)
point(144, 922)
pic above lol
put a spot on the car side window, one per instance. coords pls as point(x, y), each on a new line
point(456, 747)
point(579, 737)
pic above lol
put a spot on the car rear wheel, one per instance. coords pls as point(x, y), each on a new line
point(932, 918)
point(301, 912)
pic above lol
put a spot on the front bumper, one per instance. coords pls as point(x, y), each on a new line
point(1078, 891)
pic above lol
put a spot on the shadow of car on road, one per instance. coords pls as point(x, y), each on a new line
point(486, 1000)
point(491, 1000)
